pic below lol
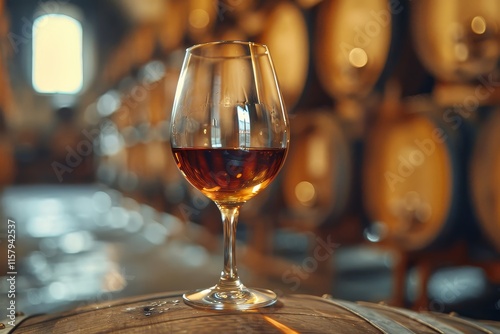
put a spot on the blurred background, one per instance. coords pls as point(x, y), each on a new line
point(390, 192)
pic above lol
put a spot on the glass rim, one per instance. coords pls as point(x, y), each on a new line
point(250, 45)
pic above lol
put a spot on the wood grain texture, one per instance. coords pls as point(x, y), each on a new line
point(166, 313)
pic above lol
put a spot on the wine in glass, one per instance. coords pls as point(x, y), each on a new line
point(229, 137)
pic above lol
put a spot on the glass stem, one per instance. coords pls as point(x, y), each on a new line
point(229, 279)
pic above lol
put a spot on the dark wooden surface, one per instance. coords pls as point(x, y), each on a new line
point(166, 313)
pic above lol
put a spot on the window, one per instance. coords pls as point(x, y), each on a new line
point(57, 54)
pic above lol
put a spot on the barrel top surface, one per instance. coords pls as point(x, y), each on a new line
point(166, 313)
point(316, 179)
point(485, 178)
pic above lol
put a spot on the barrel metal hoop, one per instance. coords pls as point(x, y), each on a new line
point(377, 320)
point(490, 328)
point(483, 328)
point(424, 319)
point(8, 328)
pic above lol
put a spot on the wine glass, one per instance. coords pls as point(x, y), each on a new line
point(229, 137)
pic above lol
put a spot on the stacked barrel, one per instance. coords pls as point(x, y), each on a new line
point(142, 74)
point(394, 111)
point(421, 169)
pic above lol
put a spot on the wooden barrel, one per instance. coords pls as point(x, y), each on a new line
point(166, 313)
point(283, 27)
point(201, 20)
point(414, 178)
point(141, 44)
point(316, 176)
point(286, 35)
point(457, 40)
point(352, 44)
point(485, 178)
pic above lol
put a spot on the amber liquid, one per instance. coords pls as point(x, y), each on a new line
point(229, 175)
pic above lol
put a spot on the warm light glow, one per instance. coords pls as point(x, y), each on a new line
point(199, 18)
point(358, 57)
point(305, 192)
point(57, 54)
point(478, 25)
point(317, 153)
point(282, 327)
point(256, 188)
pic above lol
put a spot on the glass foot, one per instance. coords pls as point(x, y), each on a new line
point(244, 298)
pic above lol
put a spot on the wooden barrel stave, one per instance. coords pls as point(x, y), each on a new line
point(283, 27)
point(457, 41)
point(484, 178)
point(433, 322)
point(353, 44)
point(420, 206)
point(166, 313)
point(172, 29)
point(286, 35)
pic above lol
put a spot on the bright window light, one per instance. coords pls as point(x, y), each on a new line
point(57, 54)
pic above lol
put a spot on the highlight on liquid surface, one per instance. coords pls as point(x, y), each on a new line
point(229, 175)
